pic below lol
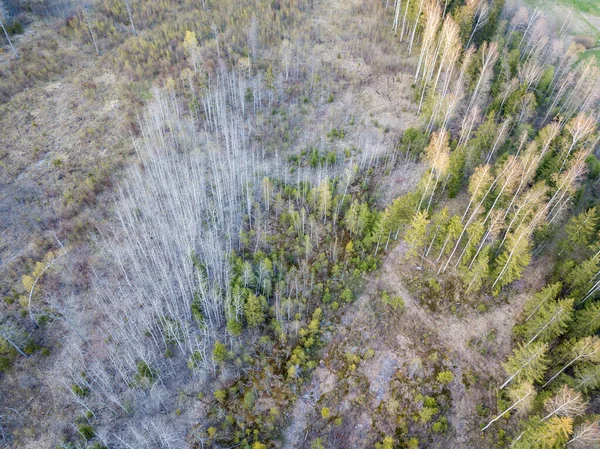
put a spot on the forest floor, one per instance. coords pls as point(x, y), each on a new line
point(473, 346)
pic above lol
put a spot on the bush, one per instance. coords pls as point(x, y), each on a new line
point(395, 302)
point(445, 377)
point(5, 364)
point(220, 352)
point(145, 372)
point(81, 392)
point(86, 431)
point(347, 295)
point(325, 412)
point(220, 395)
point(15, 28)
point(440, 425)
point(234, 327)
point(317, 444)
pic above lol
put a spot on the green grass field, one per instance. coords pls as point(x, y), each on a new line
point(581, 9)
point(587, 6)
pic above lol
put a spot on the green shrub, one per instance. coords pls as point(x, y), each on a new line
point(445, 377)
point(145, 372)
point(395, 302)
point(440, 425)
point(234, 327)
point(5, 364)
point(220, 395)
point(15, 28)
point(86, 431)
point(317, 444)
point(81, 392)
point(220, 352)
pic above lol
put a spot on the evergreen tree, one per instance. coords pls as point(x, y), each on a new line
point(552, 434)
point(511, 263)
point(550, 321)
point(580, 278)
point(586, 349)
point(581, 229)
point(533, 304)
point(526, 364)
point(475, 276)
point(587, 377)
point(416, 235)
point(456, 171)
point(253, 311)
point(587, 320)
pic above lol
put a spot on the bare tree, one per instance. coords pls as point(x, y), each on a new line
point(4, 18)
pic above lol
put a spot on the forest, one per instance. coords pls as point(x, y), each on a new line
point(305, 224)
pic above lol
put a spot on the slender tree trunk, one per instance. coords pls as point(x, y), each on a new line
point(9, 41)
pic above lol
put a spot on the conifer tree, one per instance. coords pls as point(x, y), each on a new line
point(585, 350)
point(581, 229)
point(587, 320)
point(416, 236)
point(587, 377)
point(511, 263)
point(478, 272)
point(553, 433)
point(539, 299)
point(581, 277)
point(526, 364)
point(548, 322)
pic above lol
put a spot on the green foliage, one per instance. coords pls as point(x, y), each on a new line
point(220, 395)
point(587, 320)
point(317, 444)
point(336, 133)
point(220, 353)
point(547, 322)
point(512, 261)
point(145, 373)
point(581, 229)
point(456, 172)
point(15, 27)
point(386, 443)
point(325, 413)
point(395, 302)
point(86, 431)
point(441, 425)
point(445, 377)
point(234, 327)
point(253, 311)
point(80, 391)
point(347, 295)
point(528, 363)
point(428, 411)
point(416, 235)
point(5, 363)
point(413, 142)
point(593, 165)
